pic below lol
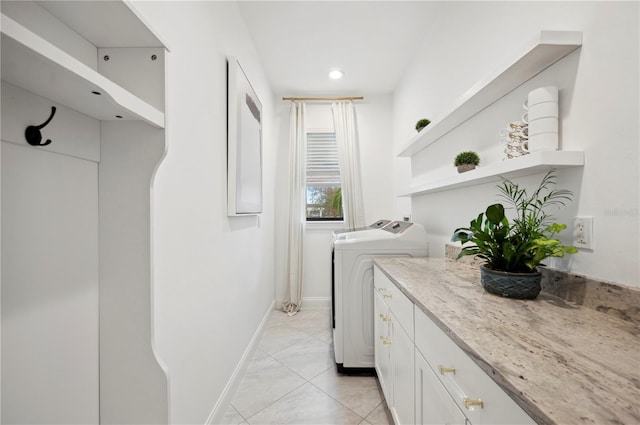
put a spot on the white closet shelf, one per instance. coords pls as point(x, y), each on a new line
point(34, 64)
point(114, 23)
point(543, 51)
point(534, 163)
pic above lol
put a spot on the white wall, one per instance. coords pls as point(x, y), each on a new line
point(599, 115)
point(376, 155)
point(213, 274)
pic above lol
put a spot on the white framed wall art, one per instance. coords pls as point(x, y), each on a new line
point(244, 144)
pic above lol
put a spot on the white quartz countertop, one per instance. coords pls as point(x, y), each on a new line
point(562, 363)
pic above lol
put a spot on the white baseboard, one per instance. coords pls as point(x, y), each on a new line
point(217, 414)
point(316, 302)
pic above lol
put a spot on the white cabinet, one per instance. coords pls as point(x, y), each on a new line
point(393, 314)
point(382, 350)
point(427, 378)
point(470, 388)
point(433, 403)
point(402, 373)
point(76, 214)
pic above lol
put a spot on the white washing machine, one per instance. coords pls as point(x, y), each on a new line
point(342, 234)
point(358, 232)
point(352, 286)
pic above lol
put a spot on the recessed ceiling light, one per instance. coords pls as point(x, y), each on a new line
point(336, 74)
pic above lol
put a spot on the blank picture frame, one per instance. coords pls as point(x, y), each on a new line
point(244, 144)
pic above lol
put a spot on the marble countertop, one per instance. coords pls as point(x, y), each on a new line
point(562, 363)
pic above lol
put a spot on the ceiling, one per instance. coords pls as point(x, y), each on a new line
point(372, 42)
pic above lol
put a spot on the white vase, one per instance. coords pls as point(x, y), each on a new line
point(543, 142)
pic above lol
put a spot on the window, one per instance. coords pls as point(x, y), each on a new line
point(324, 194)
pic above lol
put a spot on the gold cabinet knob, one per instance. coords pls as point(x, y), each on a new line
point(385, 318)
point(381, 289)
point(444, 369)
point(386, 296)
point(469, 402)
point(385, 341)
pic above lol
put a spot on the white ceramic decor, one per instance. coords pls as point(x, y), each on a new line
point(515, 139)
point(541, 110)
point(542, 117)
point(543, 125)
point(543, 142)
point(540, 95)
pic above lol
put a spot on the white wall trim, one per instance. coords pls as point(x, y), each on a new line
point(217, 413)
point(316, 302)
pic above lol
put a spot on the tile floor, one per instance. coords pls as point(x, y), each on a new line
point(292, 379)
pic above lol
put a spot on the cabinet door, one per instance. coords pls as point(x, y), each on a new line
point(433, 404)
point(382, 353)
point(402, 374)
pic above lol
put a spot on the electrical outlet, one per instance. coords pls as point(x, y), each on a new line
point(583, 232)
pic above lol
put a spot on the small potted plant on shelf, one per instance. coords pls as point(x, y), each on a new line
point(466, 161)
point(422, 124)
point(513, 249)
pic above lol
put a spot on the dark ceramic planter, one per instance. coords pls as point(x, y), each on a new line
point(524, 286)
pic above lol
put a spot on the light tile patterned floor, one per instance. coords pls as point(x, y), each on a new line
point(292, 379)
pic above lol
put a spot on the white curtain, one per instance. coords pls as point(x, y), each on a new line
point(297, 205)
point(349, 159)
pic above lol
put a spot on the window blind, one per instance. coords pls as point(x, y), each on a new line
point(322, 160)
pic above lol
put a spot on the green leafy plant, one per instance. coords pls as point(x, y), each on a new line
point(519, 245)
point(422, 123)
point(467, 157)
point(336, 201)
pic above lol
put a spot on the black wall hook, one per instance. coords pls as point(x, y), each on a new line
point(32, 133)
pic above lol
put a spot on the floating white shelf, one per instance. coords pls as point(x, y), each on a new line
point(534, 163)
point(106, 23)
point(543, 51)
point(34, 64)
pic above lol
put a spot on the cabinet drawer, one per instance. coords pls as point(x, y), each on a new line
point(464, 379)
point(398, 303)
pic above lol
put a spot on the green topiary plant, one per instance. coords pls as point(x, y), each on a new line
point(467, 157)
point(422, 124)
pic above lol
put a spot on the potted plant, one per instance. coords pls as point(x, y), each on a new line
point(466, 161)
point(422, 124)
point(513, 249)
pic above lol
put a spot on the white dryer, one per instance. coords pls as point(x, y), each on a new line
point(352, 286)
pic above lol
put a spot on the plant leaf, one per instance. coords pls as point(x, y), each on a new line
point(495, 213)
